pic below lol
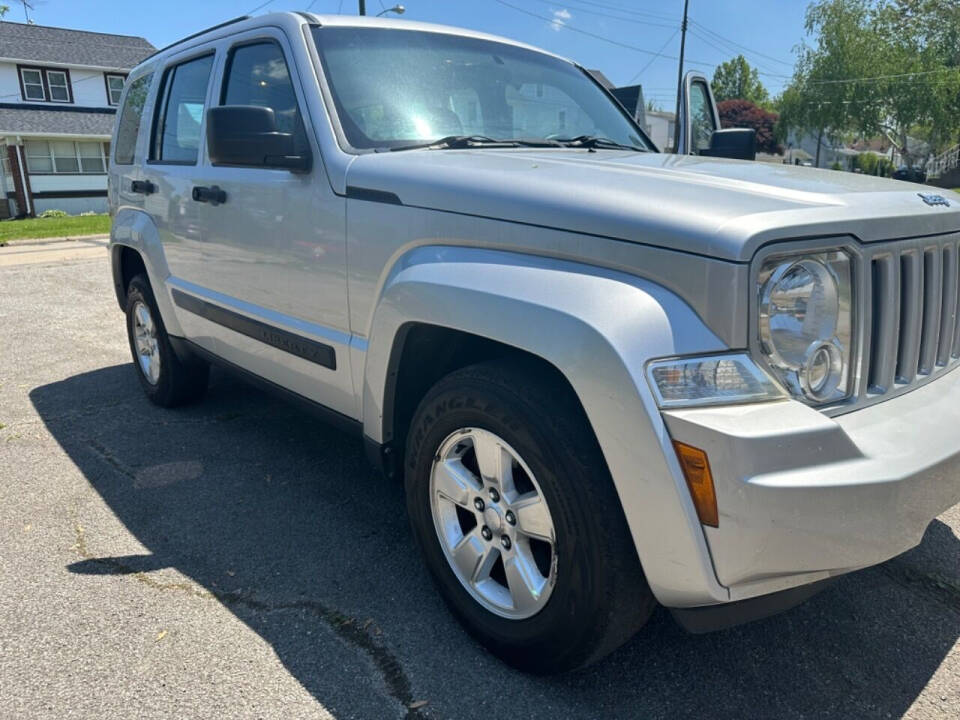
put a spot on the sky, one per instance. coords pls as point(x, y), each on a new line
point(631, 41)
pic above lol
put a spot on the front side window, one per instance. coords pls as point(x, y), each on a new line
point(66, 157)
point(177, 131)
point(114, 88)
point(130, 116)
point(257, 74)
point(391, 87)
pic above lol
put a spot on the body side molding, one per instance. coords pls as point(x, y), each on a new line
point(306, 348)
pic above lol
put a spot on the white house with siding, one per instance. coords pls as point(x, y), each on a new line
point(59, 91)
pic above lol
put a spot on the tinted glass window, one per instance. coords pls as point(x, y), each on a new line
point(177, 137)
point(701, 117)
point(130, 115)
point(258, 75)
point(391, 87)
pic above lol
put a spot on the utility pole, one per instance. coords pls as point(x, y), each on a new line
point(683, 42)
point(363, 7)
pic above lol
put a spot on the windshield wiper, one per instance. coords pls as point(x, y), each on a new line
point(460, 142)
point(595, 141)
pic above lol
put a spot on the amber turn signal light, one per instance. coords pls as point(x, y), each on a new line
point(696, 470)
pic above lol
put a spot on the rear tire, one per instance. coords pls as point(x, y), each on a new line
point(166, 379)
point(596, 594)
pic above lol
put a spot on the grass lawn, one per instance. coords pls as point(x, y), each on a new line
point(70, 226)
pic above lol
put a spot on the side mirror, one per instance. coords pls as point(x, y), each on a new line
point(247, 136)
point(733, 143)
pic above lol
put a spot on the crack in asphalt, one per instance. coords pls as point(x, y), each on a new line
point(348, 629)
point(939, 587)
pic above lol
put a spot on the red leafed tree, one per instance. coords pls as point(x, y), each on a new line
point(744, 114)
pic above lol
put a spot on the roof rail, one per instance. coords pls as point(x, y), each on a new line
point(198, 34)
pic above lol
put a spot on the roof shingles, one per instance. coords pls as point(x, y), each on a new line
point(43, 44)
point(54, 122)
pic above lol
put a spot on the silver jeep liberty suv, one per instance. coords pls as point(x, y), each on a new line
point(609, 377)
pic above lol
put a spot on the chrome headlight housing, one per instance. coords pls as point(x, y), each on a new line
point(806, 323)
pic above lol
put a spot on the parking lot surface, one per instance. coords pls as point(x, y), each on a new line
point(239, 558)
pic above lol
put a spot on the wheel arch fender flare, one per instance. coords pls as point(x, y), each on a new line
point(598, 327)
point(133, 228)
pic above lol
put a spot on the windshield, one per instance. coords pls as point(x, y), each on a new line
point(394, 88)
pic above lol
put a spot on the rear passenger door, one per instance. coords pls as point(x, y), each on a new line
point(172, 159)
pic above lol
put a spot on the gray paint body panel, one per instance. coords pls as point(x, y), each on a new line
point(596, 262)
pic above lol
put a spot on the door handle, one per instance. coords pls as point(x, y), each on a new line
point(213, 194)
point(144, 187)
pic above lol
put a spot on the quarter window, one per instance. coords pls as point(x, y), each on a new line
point(114, 88)
point(65, 157)
point(130, 116)
point(176, 136)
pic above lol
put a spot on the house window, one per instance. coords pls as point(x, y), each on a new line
point(66, 157)
point(59, 86)
point(45, 85)
point(32, 84)
point(114, 87)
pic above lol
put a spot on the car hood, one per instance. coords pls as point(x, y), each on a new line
point(710, 206)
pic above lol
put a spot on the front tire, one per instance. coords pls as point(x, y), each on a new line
point(167, 380)
point(514, 509)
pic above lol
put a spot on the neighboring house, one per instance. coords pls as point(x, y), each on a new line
point(661, 127)
point(801, 147)
point(59, 90)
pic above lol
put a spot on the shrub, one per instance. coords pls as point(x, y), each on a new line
point(744, 114)
point(53, 214)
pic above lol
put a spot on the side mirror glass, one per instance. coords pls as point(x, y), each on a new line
point(733, 143)
point(247, 136)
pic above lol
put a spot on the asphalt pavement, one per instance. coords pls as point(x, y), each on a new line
point(239, 558)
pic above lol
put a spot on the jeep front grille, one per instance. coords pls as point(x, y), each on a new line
point(914, 320)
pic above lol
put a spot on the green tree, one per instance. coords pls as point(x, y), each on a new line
point(870, 71)
point(736, 80)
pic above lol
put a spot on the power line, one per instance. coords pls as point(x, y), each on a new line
point(607, 15)
point(628, 11)
point(259, 7)
point(759, 68)
point(879, 77)
point(659, 54)
point(727, 40)
point(568, 26)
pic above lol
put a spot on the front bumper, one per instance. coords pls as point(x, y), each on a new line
point(803, 497)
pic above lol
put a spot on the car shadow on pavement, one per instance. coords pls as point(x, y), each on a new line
point(278, 517)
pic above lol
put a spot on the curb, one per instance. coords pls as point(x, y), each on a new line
point(49, 241)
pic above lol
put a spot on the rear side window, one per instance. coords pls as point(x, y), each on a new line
point(176, 134)
point(130, 116)
point(257, 74)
